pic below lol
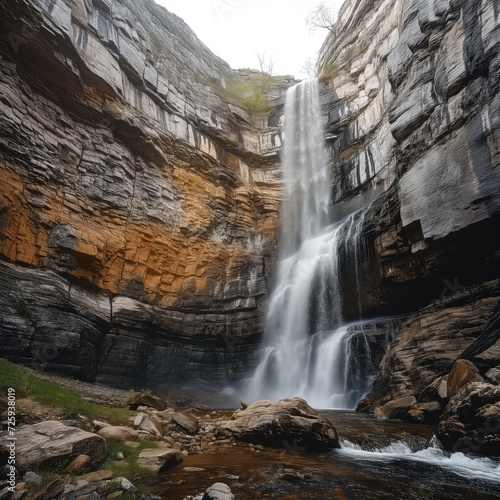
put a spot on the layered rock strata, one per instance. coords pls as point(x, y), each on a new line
point(411, 94)
point(138, 207)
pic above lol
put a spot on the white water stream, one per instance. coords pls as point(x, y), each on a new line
point(458, 463)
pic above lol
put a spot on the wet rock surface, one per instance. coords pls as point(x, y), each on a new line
point(406, 89)
point(471, 420)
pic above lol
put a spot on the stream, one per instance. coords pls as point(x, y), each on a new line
point(379, 459)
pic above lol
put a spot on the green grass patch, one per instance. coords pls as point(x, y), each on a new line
point(250, 93)
point(128, 467)
point(28, 385)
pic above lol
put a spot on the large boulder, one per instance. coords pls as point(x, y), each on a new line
point(52, 441)
point(471, 421)
point(290, 423)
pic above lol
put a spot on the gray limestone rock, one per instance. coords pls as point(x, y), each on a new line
point(46, 442)
point(186, 421)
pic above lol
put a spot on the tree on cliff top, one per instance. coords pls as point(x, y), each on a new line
point(321, 17)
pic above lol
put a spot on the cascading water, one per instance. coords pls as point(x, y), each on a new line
point(308, 351)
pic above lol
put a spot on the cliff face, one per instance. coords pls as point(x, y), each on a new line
point(411, 90)
point(138, 208)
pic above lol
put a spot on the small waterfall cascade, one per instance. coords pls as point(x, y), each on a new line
point(308, 350)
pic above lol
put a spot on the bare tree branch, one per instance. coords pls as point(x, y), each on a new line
point(322, 17)
point(266, 64)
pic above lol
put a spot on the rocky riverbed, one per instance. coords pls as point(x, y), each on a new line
point(285, 450)
point(83, 456)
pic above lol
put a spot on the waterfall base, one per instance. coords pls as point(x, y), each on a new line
point(332, 369)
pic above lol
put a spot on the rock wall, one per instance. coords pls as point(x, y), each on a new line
point(412, 104)
point(138, 207)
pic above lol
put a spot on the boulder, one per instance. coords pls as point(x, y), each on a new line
point(118, 433)
point(365, 404)
point(425, 413)
point(187, 422)
point(290, 423)
point(48, 442)
point(123, 484)
point(144, 399)
point(435, 391)
point(218, 491)
point(99, 425)
point(149, 424)
point(397, 408)
point(159, 459)
point(471, 420)
point(493, 375)
point(462, 373)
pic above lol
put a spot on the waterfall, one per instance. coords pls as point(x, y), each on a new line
point(308, 350)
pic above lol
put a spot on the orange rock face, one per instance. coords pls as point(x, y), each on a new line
point(126, 177)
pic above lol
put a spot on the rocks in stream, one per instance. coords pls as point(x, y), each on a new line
point(290, 423)
point(433, 404)
point(471, 420)
point(218, 491)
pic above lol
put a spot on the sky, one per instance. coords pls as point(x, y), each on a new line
point(236, 30)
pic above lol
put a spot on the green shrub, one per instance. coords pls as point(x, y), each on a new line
point(250, 94)
point(329, 73)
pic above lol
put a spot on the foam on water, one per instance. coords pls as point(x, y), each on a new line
point(458, 463)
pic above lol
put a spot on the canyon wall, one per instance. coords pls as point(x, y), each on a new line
point(412, 105)
point(139, 202)
point(138, 205)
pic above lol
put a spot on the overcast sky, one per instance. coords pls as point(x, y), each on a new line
point(236, 30)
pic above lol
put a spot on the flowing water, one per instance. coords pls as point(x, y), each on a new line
point(378, 460)
point(308, 350)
